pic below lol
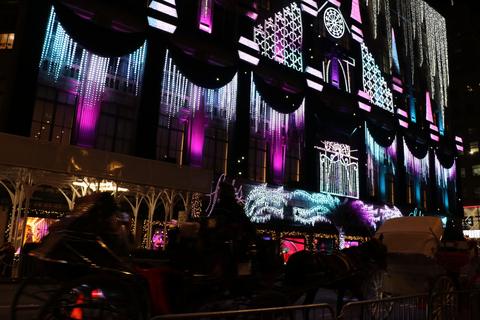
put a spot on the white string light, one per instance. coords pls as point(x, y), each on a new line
point(338, 170)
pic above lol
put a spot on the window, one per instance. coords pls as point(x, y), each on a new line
point(473, 147)
point(409, 191)
point(170, 139)
point(476, 170)
point(53, 115)
point(390, 188)
point(115, 128)
point(476, 192)
point(257, 158)
point(215, 150)
point(462, 172)
point(6, 40)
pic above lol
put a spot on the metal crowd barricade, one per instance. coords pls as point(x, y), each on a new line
point(464, 305)
point(410, 307)
point(315, 311)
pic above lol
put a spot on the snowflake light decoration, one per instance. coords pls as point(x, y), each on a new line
point(334, 22)
point(262, 203)
point(374, 83)
point(280, 38)
point(338, 170)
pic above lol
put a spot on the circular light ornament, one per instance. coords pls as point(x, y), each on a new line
point(334, 22)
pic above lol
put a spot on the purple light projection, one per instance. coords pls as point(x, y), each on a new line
point(197, 132)
point(428, 105)
point(206, 15)
point(355, 13)
point(415, 167)
point(94, 71)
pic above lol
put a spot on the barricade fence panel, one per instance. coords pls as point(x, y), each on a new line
point(316, 311)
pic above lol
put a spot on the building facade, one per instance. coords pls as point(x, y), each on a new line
point(302, 105)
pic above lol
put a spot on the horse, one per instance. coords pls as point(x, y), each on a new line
point(346, 269)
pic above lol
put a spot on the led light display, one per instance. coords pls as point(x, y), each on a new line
point(377, 158)
point(416, 168)
point(280, 38)
point(262, 204)
point(179, 92)
point(444, 175)
point(374, 83)
point(338, 170)
point(59, 51)
point(275, 126)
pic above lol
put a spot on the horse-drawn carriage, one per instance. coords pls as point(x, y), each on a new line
point(422, 259)
point(87, 270)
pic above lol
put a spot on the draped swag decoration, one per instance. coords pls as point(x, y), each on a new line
point(99, 40)
point(180, 92)
point(444, 175)
point(417, 168)
point(262, 112)
point(378, 155)
point(201, 73)
point(276, 98)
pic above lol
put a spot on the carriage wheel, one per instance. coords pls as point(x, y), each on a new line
point(374, 290)
point(443, 300)
point(93, 297)
point(31, 295)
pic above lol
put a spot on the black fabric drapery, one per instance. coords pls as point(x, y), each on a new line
point(381, 136)
point(276, 98)
point(201, 73)
point(418, 150)
point(99, 40)
point(446, 160)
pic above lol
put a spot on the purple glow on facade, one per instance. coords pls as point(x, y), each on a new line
point(93, 73)
point(363, 94)
point(249, 43)
point(357, 30)
point(403, 123)
point(397, 88)
point(459, 139)
point(434, 127)
point(206, 15)
point(309, 10)
point(444, 175)
point(335, 76)
point(428, 105)
point(314, 72)
point(161, 25)
point(314, 85)
point(335, 2)
point(418, 169)
point(459, 148)
point(397, 81)
point(357, 38)
point(248, 58)
point(434, 137)
point(164, 9)
point(355, 13)
point(197, 132)
point(402, 112)
point(364, 106)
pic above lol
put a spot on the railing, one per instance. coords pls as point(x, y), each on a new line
point(461, 305)
point(316, 311)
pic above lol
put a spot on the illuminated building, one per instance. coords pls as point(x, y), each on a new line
point(302, 103)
